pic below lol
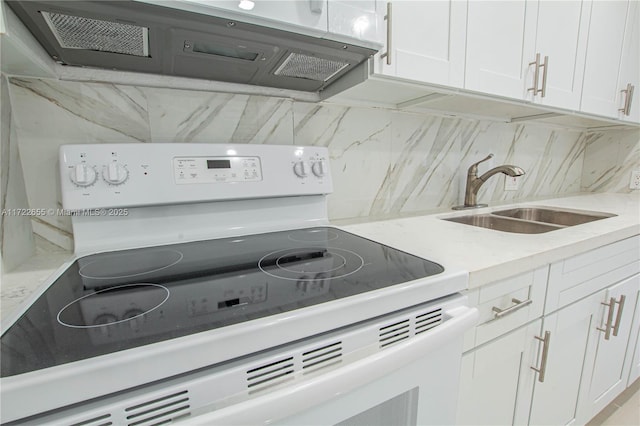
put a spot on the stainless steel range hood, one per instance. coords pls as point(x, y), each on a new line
point(149, 38)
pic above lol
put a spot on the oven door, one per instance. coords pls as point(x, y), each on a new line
point(411, 383)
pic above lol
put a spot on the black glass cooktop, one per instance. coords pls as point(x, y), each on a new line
point(113, 301)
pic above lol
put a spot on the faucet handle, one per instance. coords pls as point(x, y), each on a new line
point(473, 169)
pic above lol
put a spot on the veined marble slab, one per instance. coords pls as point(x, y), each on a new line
point(16, 233)
point(384, 163)
point(610, 158)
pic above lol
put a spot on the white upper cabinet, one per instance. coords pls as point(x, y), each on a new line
point(425, 41)
point(600, 91)
point(561, 39)
point(531, 50)
point(499, 44)
point(628, 90)
point(306, 16)
point(354, 19)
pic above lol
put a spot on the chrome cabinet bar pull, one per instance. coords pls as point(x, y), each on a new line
point(499, 313)
point(628, 96)
point(545, 354)
point(616, 327)
point(543, 91)
point(387, 18)
point(536, 74)
point(609, 323)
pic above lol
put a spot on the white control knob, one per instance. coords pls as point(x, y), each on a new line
point(83, 175)
point(300, 169)
point(318, 168)
point(115, 174)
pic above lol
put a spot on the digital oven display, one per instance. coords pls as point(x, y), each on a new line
point(218, 164)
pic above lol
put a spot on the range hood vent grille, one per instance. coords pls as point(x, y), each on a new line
point(300, 65)
point(76, 32)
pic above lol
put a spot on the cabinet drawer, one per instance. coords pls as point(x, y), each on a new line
point(506, 305)
point(579, 276)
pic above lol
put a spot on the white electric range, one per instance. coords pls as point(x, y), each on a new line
point(208, 287)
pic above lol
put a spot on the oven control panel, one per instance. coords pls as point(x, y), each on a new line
point(95, 176)
point(188, 170)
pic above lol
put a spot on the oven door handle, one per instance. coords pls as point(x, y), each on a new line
point(305, 394)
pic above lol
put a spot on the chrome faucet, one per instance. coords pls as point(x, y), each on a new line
point(474, 182)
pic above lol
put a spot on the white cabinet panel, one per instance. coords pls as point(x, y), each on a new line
point(427, 42)
point(633, 350)
point(497, 46)
point(520, 299)
point(497, 381)
point(555, 401)
point(606, 33)
point(606, 372)
point(587, 273)
point(354, 19)
point(309, 15)
point(630, 66)
point(561, 36)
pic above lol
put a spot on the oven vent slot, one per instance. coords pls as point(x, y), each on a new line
point(270, 374)
point(393, 333)
point(428, 320)
point(104, 420)
point(159, 411)
point(321, 357)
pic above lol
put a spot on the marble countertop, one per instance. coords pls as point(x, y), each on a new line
point(22, 282)
point(491, 255)
point(488, 255)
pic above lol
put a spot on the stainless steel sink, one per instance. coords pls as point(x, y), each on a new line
point(530, 220)
point(504, 224)
point(555, 216)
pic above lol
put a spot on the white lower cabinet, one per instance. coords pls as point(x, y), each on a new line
point(633, 351)
point(606, 370)
point(497, 379)
point(555, 400)
point(562, 365)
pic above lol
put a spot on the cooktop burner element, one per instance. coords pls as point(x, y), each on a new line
point(308, 264)
point(312, 235)
point(114, 305)
point(99, 305)
point(124, 266)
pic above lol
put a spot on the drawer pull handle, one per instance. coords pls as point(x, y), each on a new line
point(545, 354)
point(499, 313)
point(619, 315)
point(609, 324)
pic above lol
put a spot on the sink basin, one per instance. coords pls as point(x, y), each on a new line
point(504, 224)
point(530, 220)
point(555, 216)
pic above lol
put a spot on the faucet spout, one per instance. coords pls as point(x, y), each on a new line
point(507, 169)
point(474, 182)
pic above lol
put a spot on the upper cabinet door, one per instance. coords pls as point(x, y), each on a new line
point(561, 37)
point(304, 16)
point(354, 19)
point(499, 42)
point(601, 90)
point(426, 42)
point(628, 90)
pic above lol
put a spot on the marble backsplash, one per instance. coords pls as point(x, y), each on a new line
point(384, 163)
point(16, 232)
point(609, 159)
